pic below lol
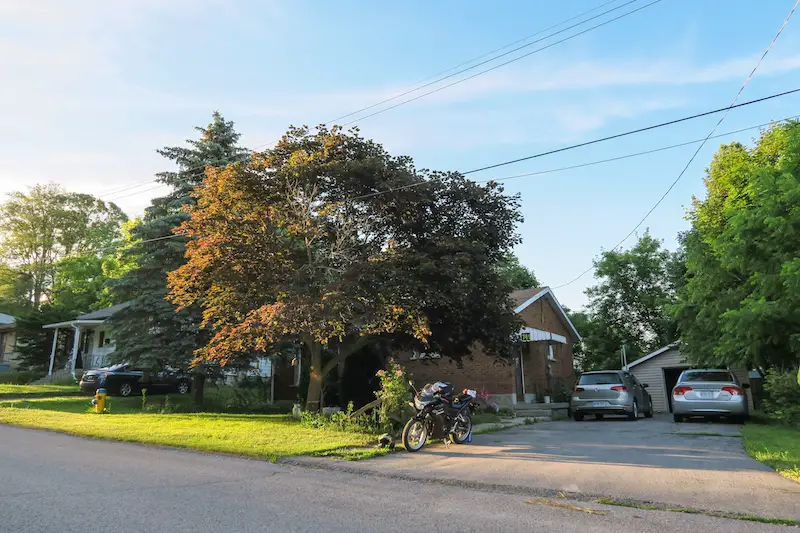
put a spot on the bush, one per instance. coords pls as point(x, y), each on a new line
point(342, 421)
point(782, 396)
point(394, 396)
point(18, 378)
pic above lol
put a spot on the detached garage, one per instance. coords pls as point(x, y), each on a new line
point(660, 370)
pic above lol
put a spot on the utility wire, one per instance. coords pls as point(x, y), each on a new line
point(694, 155)
point(509, 45)
point(637, 154)
point(439, 80)
point(587, 143)
point(495, 67)
point(582, 165)
point(114, 191)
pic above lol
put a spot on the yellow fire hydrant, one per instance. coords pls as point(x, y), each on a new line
point(99, 401)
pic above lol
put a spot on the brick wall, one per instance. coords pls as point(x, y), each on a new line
point(478, 371)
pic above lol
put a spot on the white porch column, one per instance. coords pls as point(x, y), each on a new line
point(53, 352)
point(76, 343)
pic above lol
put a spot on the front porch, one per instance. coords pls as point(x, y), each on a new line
point(91, 344)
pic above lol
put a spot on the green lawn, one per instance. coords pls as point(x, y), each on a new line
point(486, 418)
point(776, 446)
point(33, 391)
point(263, 436)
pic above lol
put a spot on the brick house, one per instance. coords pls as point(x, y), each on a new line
point(543, 366)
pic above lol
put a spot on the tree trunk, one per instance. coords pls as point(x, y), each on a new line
point(198, 387)
point(315, 378)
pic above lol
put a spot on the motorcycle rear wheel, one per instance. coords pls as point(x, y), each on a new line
point(415, 434)
point(462, 430)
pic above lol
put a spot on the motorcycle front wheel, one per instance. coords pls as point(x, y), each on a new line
point(462, 430)
point(414, 435)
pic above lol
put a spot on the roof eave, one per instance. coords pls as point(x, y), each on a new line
point(70, 323)
point(542, 294)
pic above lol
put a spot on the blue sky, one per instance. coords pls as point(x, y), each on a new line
point(91, 88)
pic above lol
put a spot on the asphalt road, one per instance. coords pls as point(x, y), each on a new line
point(645, 460)
point(57, 483)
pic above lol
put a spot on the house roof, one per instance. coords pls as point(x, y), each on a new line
point(649, 356)
point(6, 320)
point(524, 298)
point(90, 319)
point(102, 314)
point(520, 297)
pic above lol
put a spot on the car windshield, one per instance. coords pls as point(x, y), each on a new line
point(707, 376)
point(118, 368)
point(609, 378)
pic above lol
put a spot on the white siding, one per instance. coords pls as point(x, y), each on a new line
point(652, 373)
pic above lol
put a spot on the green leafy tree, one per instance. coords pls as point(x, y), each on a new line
point(739, 303)
point(305, 245)
point(46, 225)
point(516, 275)
point(152, 332)
point(630, 305)
point(14, 291)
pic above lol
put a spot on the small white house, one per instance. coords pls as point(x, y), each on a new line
point(661, 369)
point(92, 342)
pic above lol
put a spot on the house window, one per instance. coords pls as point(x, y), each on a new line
point(550, 355)
point(101, 339)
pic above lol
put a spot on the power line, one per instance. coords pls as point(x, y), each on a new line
point(587, 143)
point(454, 74)
point(572, 167)
point(637, 154)
point(495, 67)
point(512, 44)
point(631, 132)
point(439, 80)
point(694, 155)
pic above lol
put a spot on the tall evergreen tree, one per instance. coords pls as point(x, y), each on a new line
point(150, 333)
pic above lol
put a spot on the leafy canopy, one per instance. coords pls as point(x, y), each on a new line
point(303, 245)
point(630, 305)
point(739, 302)
point(515, 274)
point(151, 332)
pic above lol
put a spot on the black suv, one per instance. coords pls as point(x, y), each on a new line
point(124, 380)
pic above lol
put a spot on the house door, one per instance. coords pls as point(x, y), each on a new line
point(671, 376)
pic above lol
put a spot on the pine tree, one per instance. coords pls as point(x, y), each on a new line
point(150, 333)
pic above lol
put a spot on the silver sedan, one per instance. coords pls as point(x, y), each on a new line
point(709, 392)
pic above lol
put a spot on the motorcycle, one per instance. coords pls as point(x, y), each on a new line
point(439, 415)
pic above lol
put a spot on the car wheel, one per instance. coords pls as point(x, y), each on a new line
point(649, 412)
point(577, 417)
point(598, 417)
point(183, 387)
point(126, 389)
point(634, 414)
point(677, 418)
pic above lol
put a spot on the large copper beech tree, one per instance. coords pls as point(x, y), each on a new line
point(328, 241)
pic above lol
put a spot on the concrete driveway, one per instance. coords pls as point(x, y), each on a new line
point(646, 460)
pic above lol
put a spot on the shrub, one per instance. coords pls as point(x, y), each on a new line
point(18, 378)
point(782, 396)
point(394, 396)
point(342, 421)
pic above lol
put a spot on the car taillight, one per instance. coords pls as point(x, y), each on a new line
point(620, 388)
point(733, 391)
point(680, 391)
point(578, 389)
